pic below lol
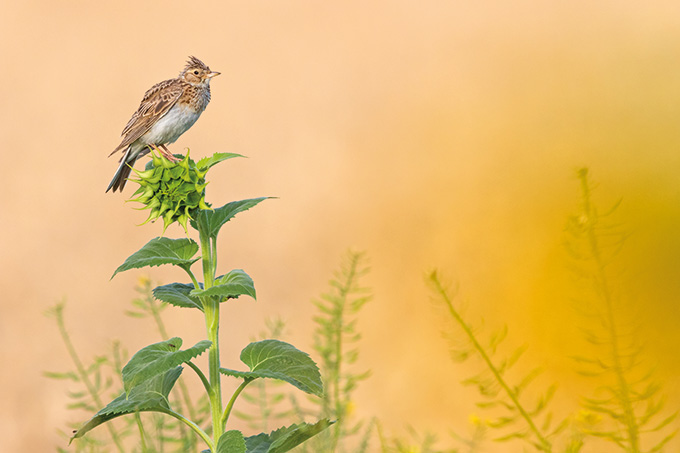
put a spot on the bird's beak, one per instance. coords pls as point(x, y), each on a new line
point(213, 74)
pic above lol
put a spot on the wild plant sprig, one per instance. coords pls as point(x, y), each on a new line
point(90, 377)
point(335, 341)
point(631, 399)
point(415, 442)
point(494, 381)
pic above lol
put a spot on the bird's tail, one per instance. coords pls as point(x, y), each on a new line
point(120, 178)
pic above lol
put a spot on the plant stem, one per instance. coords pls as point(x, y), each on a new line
point(82, 373)
point(339, 329)
point(200, 374)
point(543, 443)
point(197, 429)
point(142, 435)
point(230, 404)
point(623, 394)
point(193, 277)
point(213, 252)
point(212, 319)
point(211, 307)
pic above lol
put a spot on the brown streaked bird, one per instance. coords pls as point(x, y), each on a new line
point(167, 111)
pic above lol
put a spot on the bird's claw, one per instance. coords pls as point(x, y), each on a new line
point(162, 150)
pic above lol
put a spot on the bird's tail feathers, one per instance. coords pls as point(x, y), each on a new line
point(120, 178)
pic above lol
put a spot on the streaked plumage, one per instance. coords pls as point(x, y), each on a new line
point(167, 110)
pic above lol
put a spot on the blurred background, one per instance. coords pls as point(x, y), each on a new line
point(429, 134)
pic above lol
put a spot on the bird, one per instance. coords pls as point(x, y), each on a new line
point(167, 110)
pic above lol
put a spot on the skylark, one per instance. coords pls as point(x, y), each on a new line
point(167, 111)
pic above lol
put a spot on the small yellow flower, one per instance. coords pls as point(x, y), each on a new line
point(143, 281)
point(475, 420)
point(588, 418)
point(350, 408)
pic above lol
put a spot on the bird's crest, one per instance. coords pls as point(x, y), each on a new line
point(194, 62)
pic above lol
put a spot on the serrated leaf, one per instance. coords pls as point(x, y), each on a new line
point(231, 442)
point(229, 286)
point(215, 159)
point(285, 439)
point(178, 294)
point(214, 219)
point(152, 395)
point(178, 252)
point(276, 359)
point(158, 358)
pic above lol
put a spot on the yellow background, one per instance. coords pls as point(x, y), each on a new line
point(430, 134)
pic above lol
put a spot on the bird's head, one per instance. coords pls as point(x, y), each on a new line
point(197, 73)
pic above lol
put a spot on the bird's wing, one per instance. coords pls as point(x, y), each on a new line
point(158, 100)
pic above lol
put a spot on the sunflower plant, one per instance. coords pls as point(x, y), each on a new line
point(175, 192)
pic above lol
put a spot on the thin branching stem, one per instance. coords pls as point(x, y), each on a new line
point(199, 372)
point(197, 429)
point(142, 434)
point(230, 404)
point(194, 280)
point(543, 443)
point(338, 343)
point(82, 373)
point(623, 393)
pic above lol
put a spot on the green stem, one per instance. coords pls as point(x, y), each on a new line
point(193, 277)
point(142, 435)
point(82, 373)
point(211, 308)
point(230, 404)
point(623, 394)
point(197, 429)
point(212, 319)
point(543, 443)
point(204, 380)
point(214, 256)
point(339, 329)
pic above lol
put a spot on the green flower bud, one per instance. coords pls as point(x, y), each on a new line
point(174, 191)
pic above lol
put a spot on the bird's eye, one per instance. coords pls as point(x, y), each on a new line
point(196, 72)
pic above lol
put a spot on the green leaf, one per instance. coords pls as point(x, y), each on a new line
point(275, 359)
point(158, 358)
point(55, 375)
point(231, 442)
point(285, 439)
point(152, 395)
point(215, 159)
point(230, 286)
point(178, 295)
point(215, 218)
point(178, 252)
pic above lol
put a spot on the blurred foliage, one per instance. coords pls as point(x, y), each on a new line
point(265, 400)
point(99, 381)
point(627, 411)
point(520, 419)
point(335, 341)
point(627, 396)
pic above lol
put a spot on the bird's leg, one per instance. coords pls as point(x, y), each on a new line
point(168, 155)
point(162, 150)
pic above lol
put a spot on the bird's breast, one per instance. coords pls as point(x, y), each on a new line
point(173, 124)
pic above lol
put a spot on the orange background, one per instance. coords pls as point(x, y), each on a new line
point(440, 133)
